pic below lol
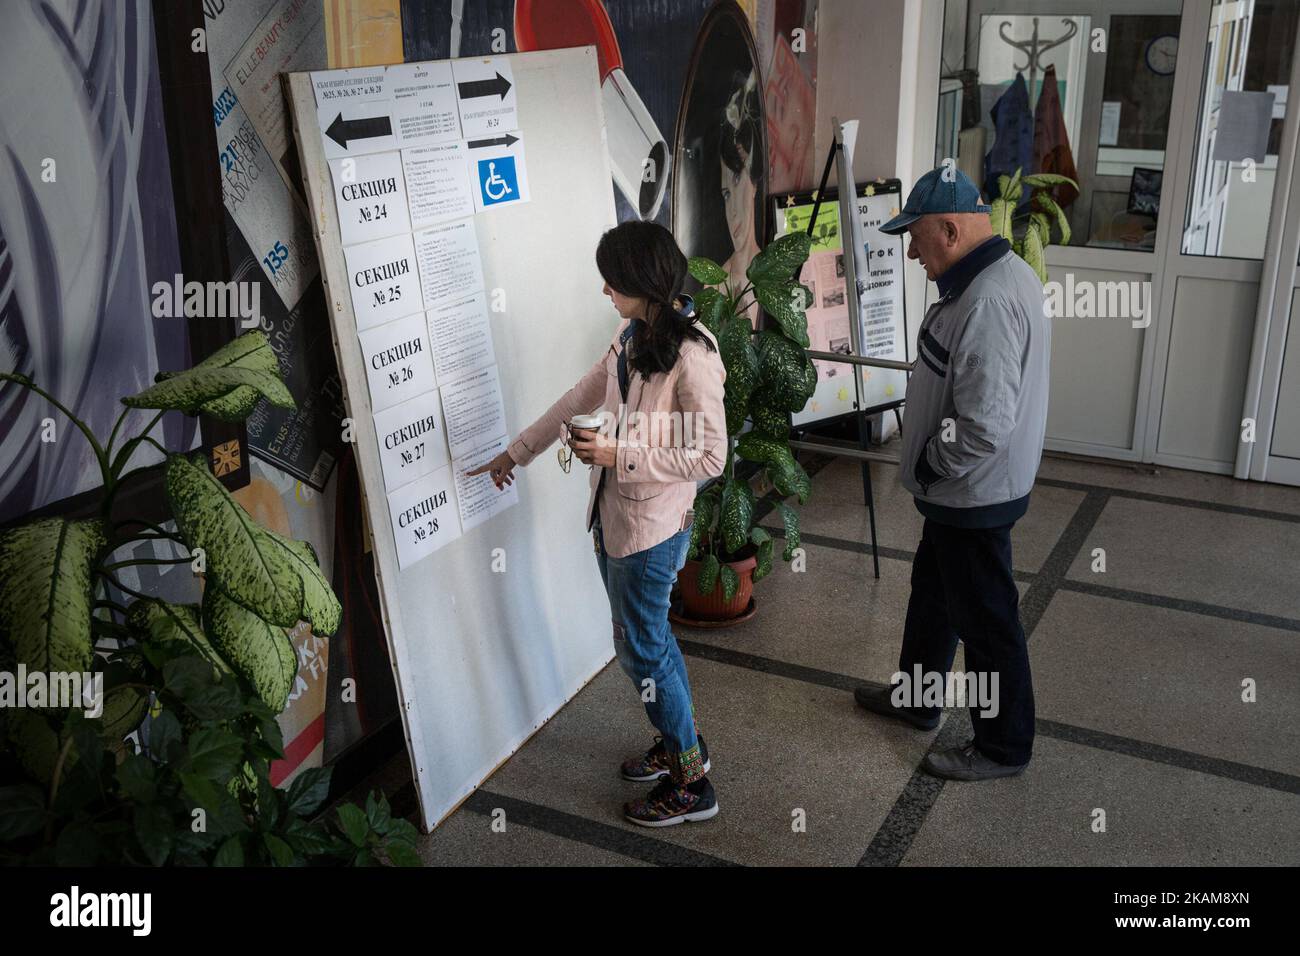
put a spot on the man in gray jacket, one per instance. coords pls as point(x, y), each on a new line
point(972, 439)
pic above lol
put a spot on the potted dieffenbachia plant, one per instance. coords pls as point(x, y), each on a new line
point(769, 376)
point(211, 675)
point(1028, 225)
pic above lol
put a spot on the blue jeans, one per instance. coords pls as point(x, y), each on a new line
point(638, 587)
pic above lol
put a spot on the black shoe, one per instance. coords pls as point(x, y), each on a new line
point(653, 764)
point(670, 803)
point(879, 702)
point(967, 763)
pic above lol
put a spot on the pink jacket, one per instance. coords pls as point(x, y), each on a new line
point(672, 435)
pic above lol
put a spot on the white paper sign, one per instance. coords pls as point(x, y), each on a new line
point(398, 363)
point(354, 128)
point(478, 498)
point(485, 91)
point(412, 440)
point(437, 183)
point(450, 267)
point(461, 337)
point(1109, 132)
point(424, 102)
point(473, 411)
point(424, 516)
point(370, 196)
point(498, 172)
point(384, 280)
point(355, 85)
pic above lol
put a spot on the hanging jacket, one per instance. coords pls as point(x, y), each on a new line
point(1052, 153)
point(1013, 147)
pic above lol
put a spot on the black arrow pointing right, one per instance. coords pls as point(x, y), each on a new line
point(342, 131)
point(475, 88)
point(506, 140)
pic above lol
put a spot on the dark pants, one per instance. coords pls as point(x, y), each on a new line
point(962, 588)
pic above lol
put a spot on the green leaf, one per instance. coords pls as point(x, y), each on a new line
point(737, 513)
point(165, 740)
point(36, 744)
point(154, 829)
point(355, 825)
point(783, 368)
point(223, 814)
point(1000, 218)
point(770, 420)
point(754, 446)
point(1050, 207)
point(709, 570)
point(785, 302)
point(230, 854)
point(779, 259)
point(730, 582)
point(251, 350)
point(1048, 181)
point(706, 506)
point(764, 556)
point(136, 777)
point(308, 791)
point(742, 365)
point(790, 518)
point(124, 710)
point(791, 479)
point(22, 811)
point(320, 605)
point(1016, 188)
point(174, 625)
point(281, 853)
point(1039, 221)
point(243, 560)
point(1033, 254)
point(45, 592)
point(215, 753)
point(256, 649)
point(706, 271)
point(379, 813)
point(401, 853)
point(199, 388)
point(710, 309)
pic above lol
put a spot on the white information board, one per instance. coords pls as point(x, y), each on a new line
point(882, 332)
point(453, 334)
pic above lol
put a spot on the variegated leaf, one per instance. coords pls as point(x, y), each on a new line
point(257, 650)
point(46, 592)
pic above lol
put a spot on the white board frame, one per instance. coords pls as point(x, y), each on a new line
point(482, 659)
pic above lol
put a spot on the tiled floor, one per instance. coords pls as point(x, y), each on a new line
point(1139, 671)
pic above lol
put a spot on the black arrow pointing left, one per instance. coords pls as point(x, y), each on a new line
point(343, 131)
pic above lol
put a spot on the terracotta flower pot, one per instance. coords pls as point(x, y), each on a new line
point(713, 606)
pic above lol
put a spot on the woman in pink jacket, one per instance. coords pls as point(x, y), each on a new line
point(658, 388)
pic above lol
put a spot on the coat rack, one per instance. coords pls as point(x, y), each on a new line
point(1034, 48)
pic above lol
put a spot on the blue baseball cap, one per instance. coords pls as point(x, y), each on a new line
point(945, 189)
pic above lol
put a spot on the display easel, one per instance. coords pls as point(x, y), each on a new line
point(861, 415)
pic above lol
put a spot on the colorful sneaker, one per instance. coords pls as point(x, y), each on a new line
point(670, 803)
point(653, 764)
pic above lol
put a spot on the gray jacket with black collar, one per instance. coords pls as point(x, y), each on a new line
point(976, 406)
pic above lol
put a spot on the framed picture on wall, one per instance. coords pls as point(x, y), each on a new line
point(90, 306)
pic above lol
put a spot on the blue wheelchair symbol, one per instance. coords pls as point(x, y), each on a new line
point(497, 180)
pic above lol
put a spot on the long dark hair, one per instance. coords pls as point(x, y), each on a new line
point(641, 260)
